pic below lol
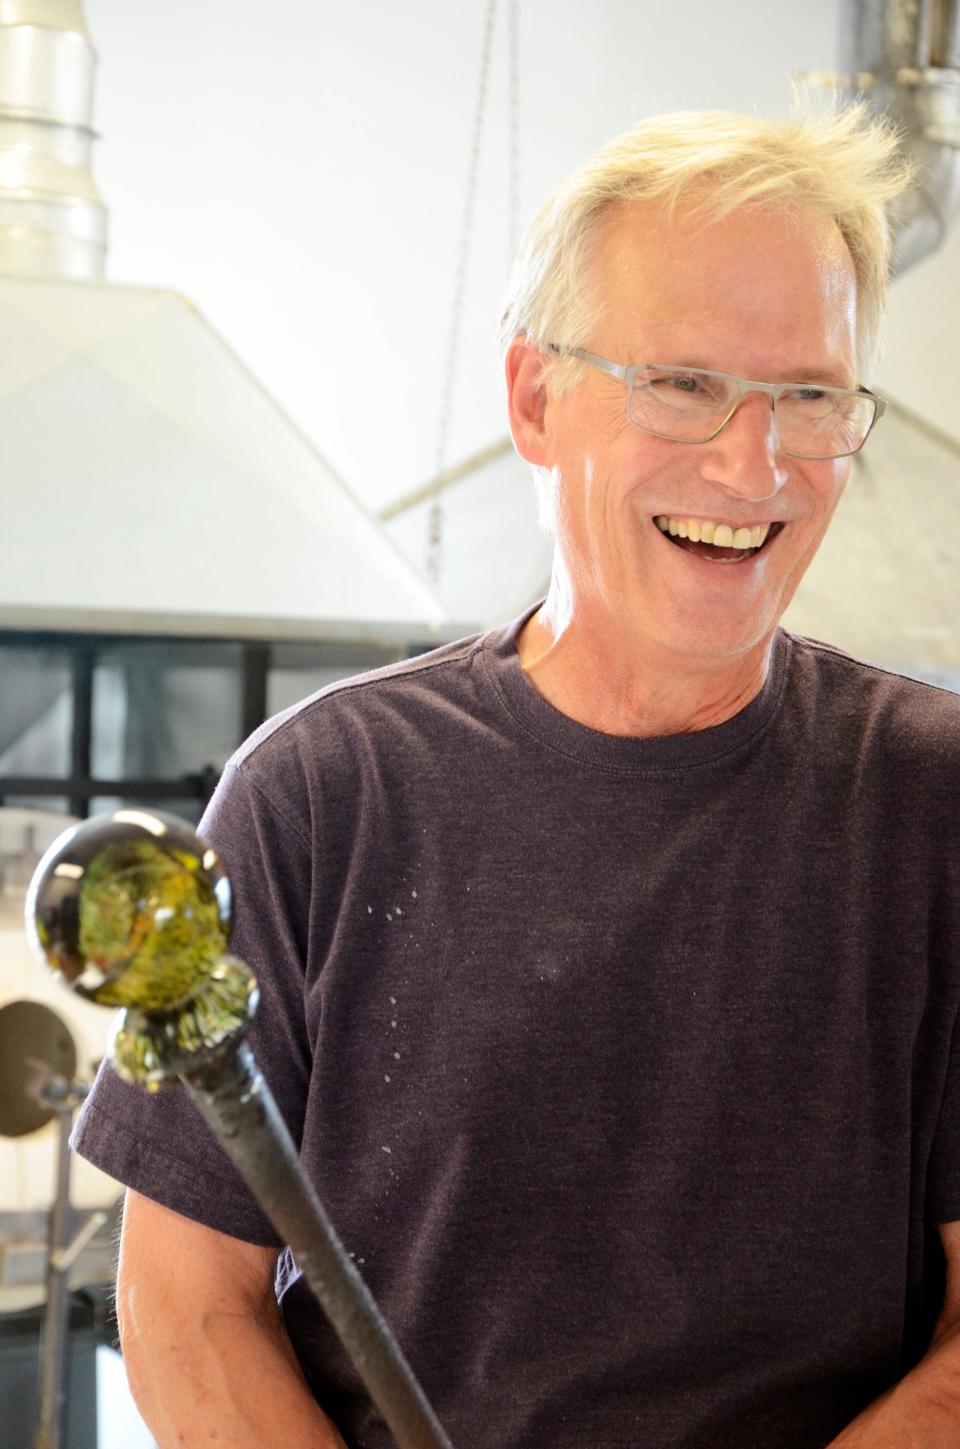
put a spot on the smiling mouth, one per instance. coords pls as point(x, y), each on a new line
point(717, 542)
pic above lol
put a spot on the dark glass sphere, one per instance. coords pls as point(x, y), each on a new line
point(131, 909)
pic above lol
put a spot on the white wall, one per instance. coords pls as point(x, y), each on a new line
point(919, 366)
point(298, 169)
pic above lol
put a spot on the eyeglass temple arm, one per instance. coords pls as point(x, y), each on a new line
point(615, 369)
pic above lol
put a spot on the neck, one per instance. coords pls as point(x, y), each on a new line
point(614, 681)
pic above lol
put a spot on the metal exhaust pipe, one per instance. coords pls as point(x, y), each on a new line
point(903, 57)
point(52, 220)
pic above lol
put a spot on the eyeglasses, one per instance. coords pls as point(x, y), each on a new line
point(691, 405)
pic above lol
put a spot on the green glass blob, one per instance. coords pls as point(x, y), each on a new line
point(131, 909)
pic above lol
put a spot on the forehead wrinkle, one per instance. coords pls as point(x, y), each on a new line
point(685, 287)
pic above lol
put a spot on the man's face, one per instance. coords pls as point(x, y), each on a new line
point(765, 296)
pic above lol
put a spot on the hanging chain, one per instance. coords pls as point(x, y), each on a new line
point(513, 133)
point(459, 293)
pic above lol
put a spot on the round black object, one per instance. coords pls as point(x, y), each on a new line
point(30, 1030)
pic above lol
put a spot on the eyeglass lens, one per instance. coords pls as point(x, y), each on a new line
point(690, 406)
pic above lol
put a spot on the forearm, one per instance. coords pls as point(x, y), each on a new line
point(218, 1378)
point(922, 1411)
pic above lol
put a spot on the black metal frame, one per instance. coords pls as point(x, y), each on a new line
point(79, 787)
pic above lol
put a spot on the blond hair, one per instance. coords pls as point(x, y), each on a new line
point(846, 163)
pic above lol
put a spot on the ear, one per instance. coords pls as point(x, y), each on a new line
point(527, 399)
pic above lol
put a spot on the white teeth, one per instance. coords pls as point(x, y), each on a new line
point(721, 535)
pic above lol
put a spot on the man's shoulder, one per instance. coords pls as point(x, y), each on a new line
point(862, 698)
point(403, 697)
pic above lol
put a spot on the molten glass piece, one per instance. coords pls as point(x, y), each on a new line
point(131, 909)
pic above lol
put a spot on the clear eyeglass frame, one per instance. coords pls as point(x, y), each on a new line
point(773, 390)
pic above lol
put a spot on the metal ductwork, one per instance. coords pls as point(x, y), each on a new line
point(52, 221)
point(904, 57)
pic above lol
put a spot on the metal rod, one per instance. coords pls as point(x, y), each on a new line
point(82, 728)
point(187, 787)
point(254, 678)
point(53, 1353)
point(237, 1105)
point(188, 1007)
point(446, 479)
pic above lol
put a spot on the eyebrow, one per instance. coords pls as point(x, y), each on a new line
point(824, 377)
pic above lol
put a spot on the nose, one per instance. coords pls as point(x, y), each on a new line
point(745, 459)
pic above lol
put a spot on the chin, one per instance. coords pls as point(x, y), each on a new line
point(713, 639)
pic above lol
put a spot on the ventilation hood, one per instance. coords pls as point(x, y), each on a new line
point(151, 484)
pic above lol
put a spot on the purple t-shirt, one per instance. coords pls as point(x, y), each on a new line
point(624, 1067)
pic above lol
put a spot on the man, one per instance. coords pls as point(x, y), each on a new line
point(610, 960)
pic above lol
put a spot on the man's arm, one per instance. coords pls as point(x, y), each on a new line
point(922, 1411)
point(205, 1350)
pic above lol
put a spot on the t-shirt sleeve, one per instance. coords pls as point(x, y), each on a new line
point(158, 1144)
point(943, 1181)
point(943, 1168)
